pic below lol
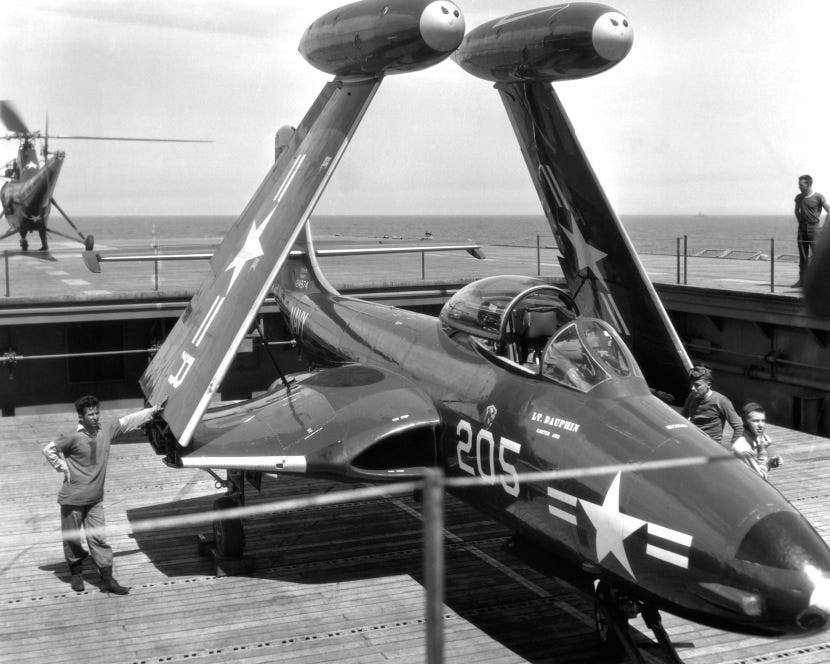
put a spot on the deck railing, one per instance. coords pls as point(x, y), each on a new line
point(733, 254)
point(539, 260)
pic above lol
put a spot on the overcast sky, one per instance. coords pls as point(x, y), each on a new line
point(718, 108)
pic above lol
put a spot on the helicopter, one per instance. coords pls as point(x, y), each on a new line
point(27, 197)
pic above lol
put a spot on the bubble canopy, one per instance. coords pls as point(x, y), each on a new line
point(585, 353)
point(490, 308)
point(536, 327)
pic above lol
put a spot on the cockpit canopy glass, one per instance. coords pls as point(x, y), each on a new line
point(534, 327)
point(585, 353)
point(500, 309)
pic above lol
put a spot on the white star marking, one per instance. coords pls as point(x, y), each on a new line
point(250, 250)
point(611, 525)
point(586, 255)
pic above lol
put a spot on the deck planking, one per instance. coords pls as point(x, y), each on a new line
point(339, 583)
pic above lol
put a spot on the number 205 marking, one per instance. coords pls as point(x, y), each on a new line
point(508, 476)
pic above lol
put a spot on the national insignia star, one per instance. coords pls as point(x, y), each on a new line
point(612, 526)
point(250, 250)
point(586, 255)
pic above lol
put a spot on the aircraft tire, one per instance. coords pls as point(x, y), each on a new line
point(228, 534)
point(89, 242)
point(603, 623)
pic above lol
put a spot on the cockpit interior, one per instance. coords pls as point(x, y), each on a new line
point(532, 327)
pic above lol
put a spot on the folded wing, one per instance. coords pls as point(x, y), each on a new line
point(190, 365)
point(602, 269)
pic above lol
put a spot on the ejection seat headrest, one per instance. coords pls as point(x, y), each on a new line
point(540, 324)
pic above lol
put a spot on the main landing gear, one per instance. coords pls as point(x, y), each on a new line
point(226, 543)
point(228, 534)
point(613, 610)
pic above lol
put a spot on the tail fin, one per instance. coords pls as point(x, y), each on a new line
point(602, 269)
point(190, 365)
point(301, 271)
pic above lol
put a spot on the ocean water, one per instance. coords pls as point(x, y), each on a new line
point(651, 234)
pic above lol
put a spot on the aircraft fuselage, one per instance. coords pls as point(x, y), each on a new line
point(692, 540)
point(712, 542)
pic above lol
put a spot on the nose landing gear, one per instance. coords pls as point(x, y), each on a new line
point(613, 610)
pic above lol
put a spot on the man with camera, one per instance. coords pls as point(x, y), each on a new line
point(753, 446)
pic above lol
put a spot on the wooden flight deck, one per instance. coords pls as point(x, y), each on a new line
point(328, 584)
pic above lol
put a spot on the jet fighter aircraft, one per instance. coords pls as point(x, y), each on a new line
point(515, 375)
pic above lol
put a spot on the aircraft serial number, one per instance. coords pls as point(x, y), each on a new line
point(485, 449)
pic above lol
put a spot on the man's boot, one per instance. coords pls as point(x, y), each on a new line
point(77, 582)
point(76, 572)
point(110, 584)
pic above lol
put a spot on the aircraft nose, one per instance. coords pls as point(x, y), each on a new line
point(784, 541)
point(612, 36)
point(442, 26)
point(815, 617)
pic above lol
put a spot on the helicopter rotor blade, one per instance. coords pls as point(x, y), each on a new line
point(124, 138)
point(11, 118)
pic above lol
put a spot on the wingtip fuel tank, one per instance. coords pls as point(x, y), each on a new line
point(379, 37)
point(549, 44)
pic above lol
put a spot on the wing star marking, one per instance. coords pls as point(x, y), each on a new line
point(250, 250)
point(586, 255)
point(612, 526)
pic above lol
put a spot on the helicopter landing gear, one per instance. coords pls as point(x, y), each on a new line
point(24, 244)
point(44, 243)
point(226, 544)
point(612, 611)
point(89, 242)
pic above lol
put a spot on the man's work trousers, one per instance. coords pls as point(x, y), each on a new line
point(91, 518)
point(806, 240)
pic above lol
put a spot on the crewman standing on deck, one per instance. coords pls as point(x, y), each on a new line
point(808, 206)
point(709, 410)
point(753, 447)
point(82, 457)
